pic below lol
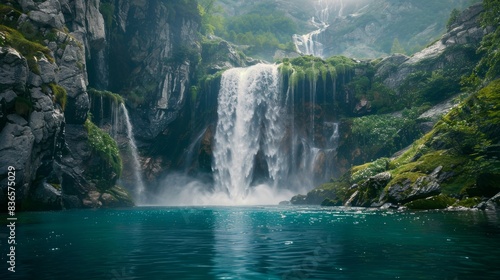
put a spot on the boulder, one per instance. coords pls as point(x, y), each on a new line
point(44, 197)
point(423, 187)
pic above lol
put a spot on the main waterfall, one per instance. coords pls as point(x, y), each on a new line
point(266, 144)
point(251, 119)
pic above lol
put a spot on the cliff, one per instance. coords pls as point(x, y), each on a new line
point(50, 52)
point(455, 163)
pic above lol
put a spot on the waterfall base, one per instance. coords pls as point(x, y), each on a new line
point(182, 190)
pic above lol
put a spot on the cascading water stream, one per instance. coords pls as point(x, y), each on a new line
point(248, 122)
point(263, 152)
point(139, 183)
point(309, 44)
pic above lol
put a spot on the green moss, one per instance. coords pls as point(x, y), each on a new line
point(29, 49)
point(60, 94)
point(106, 148)
point(434, 202)
point(401, 178)
point(123, 197)
point(135, 97)
point(107, 10)
point(469, 202)
point(56, 186)
point(9, 15)
point(193, 90)
point(311, 69)
point(113, 97)
point(367, 170)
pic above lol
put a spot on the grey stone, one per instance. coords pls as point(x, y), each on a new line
point(47, 71)
point(46, 197)
point(43, 102)
point(34, 80)
point(37, 124)
point(8, 96)
point(16, 119)
point(16, 145)
point(407, 191)
point(47, 13)
point(13, 69)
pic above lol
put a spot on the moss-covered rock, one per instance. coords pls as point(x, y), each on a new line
point(31, 50)
point(433, 202)
point(363, 172)
point(116, 196)
point(459, 157)
point(330, 202)
point(106, 149)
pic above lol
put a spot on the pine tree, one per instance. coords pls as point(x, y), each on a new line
point(397, 47)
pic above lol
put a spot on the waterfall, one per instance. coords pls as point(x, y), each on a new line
point(263, 152)
point(139, 187)
point(250, 119)
point(309, 44)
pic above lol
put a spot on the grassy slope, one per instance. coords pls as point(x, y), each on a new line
point(465, 143)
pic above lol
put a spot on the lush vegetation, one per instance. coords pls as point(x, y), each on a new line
point(113, 97)
point(104, 147)
point(463, 146)
point(489, 66)
point(311, 69)
point(60, 94)
point(461, 152)
point(261, 29)
point(388, 133)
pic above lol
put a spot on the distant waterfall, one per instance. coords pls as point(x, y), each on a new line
point(139, 187)
point(309, 44)
point(251, 120)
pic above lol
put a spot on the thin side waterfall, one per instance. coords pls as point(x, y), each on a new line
point(139, 187)
point(249, 121)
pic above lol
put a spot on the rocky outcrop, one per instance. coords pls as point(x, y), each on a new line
point(31, 120)
point(43, 91)
point(154, 49)
point(451, 50)
point(406, 190)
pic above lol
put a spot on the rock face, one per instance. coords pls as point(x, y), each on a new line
point(431, 166)
point(451, 50)
point(44, 103)
point(162, 51)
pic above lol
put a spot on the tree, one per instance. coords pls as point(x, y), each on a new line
point(211, 19)
point(453, 18)
point(491, 42)
point(397, 47)
point(488, 67)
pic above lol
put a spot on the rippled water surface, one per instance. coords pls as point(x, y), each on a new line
point(255, 243)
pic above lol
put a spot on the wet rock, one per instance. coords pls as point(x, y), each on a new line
point(16, 145)
point(330, 202)
point(407, 191)
point(492, 203)
point(352, 199)
point(45, 197)
point(299, 199)
point(486, 185)
point(314, 197)
point(379, 181)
